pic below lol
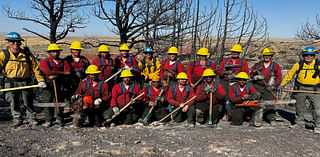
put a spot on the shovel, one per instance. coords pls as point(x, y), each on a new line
point(123, 108)
point(145, 120)
point(210, 125)
point(158, 123)
point(19, 88)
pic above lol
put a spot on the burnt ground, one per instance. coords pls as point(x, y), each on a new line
point(167, 140)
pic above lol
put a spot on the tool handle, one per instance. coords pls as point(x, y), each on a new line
point(19, 88)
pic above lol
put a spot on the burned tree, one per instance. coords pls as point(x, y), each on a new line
point(309, 31)
point(59, 16)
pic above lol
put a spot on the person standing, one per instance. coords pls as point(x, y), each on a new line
point(149, 66)
point(307, 78)
point(18, 65)
point(55, 70)
point(171, 67)
point(196, 68)
point(267, 77)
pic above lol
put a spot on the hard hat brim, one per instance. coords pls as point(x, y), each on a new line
point(96, 72)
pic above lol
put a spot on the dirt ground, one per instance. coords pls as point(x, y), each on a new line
point(165, 140)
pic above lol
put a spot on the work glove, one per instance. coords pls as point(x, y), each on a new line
point(247, 97)
point(116, 111)
point(98, 101)
point(258, 77)
point(75, 97)
point(160, 99)
point(152, 104)
point(210, 89)
point(42, 84)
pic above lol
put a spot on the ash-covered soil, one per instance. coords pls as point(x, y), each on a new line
point(165, 140)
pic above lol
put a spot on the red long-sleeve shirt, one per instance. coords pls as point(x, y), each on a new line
point(124, 98)
point(133, 64)
point(244, 68)
point(93, 91)
point(83, 62)
point(180, 97)
point(107, 68)
point(217, 96)
point(267, 73)
point(58, 68)
point(195, 72)
point(153, 94)
point(236, 99)
point(164, 72)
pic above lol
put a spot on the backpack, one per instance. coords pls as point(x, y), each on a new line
point(247, 89)
point(196, 64)
point(123, 90)
point(26, 52)
point(130, 59)
point(143, 62)
point(271, 69)
point(240, 63)
point(149, 90)
point(175, 90)
point(315, 68)
point(100, 84)
point(70, 60)
point(51, 64)
point(102, 63)
point(175, 64)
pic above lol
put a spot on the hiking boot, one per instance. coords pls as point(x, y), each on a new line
point(61, 123)
point(16, 123)
point(33, 122)
point(47, 124)
point(190, 125)
point(316, 130)
point(273, 123)
point(296, 126)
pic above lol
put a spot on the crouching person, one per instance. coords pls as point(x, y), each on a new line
point(154, 97)
point(240, 95)
point(202, 105)
point(55, 70)
point(122, 94)
point(177, 95)
point(92, 97)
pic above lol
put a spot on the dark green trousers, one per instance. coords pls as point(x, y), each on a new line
point(269, 110)
point(180, 116)
point(129, 116)
point(202, 112)
point(49, 96)
point(157, 114)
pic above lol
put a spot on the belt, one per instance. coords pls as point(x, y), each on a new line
point(16, 79)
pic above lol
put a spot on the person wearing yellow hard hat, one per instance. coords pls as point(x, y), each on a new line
point(126, 60)
point(267, 77)
point(171, 67)
point(105, 63)
point(154, 99)
point(78, 64)
point(229, 68)
point(55, 70)
point(239, 94)
point(196, 68)
point(177, 95)
point(149, 66)
point(99, 95)
point(122, 94)
point(209, 85)
point(18, 65)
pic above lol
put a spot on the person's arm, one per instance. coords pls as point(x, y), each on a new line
point(190, 71)
point(277, 75)
point(290, 75)
point(35, 69)
point(171, 98)
point(220, 92)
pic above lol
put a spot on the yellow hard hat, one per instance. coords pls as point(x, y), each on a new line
point(208, 72)
point(182, 75)
point(267, 52)
point(173, 50)
point(236, 48)
point(124, 47)
point(126, 73)
point(242, 75)
point(54, 47)
point(155, 78)
point(76, 45)
point(92, 69)
point(203, 51)
point(103, 48)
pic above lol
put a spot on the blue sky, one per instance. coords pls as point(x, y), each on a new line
point(284, 17)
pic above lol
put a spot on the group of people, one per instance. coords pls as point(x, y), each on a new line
point(147, 90)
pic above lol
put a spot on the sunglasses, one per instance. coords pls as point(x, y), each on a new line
point(155, 81)
point(308, 55)
point(208, 77)
point(242, 79)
